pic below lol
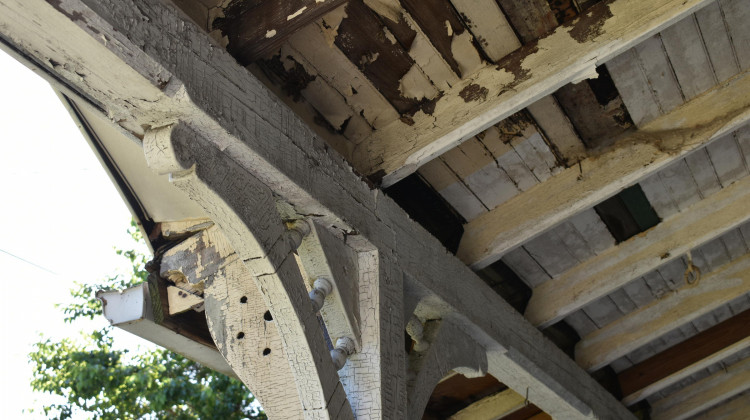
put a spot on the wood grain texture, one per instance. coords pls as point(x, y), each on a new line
point(237, 116)
point(689, 356)
point(519, 80)
point(658, 318)
point(633, 158)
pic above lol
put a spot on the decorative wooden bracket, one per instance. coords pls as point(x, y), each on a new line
point(245, 210)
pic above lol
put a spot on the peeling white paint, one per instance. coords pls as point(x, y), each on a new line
point(271, 33)
point(415, 85)
point(295, 14)
point(449, 28)
point(465, 54)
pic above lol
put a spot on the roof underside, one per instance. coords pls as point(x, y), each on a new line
point(359, 71)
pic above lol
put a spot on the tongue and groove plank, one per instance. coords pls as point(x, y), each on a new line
point(651, 322)
point(611, 270)
point(257, 28)
point(686, 358)
point(648, 150)
point(568, 54)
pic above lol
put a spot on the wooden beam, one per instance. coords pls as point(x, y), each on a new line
point(599, 276)
point(492, 407)
point(256, 30)
point(688, 357)
point(571, 53)
point(646, 324)
point(704, 394)
point(631, 159)
point(152, 71)
point(736, 409)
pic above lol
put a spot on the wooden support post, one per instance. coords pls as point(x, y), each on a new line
point(690, 356)
point(149, 67)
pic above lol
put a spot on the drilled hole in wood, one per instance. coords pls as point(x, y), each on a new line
point(243, 299)
point(240, 335)
point(266, 351)
point(267, 316)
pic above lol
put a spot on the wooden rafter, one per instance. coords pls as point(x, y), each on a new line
point(571, 53)
point(688, 357)
point(647, 324)
point(704, 394)
point(595, 179)
point(616, 267)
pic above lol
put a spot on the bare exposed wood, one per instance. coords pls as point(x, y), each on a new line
point(688, 357)
point(650, 149)
point(736, 409)
point(704, 394)
point(235, 120)
point(666, 314)
point(256, 28)
point(492, 407)
point(571, 53)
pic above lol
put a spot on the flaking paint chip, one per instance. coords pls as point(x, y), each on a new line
point(271, 33)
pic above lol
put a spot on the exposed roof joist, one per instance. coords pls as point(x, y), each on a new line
point(144, 64)
point(631, 159)
point(569, 54)
point(625, 262)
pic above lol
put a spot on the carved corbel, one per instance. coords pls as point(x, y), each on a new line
point(245, 211)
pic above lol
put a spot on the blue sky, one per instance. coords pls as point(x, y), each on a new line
point(60, 217)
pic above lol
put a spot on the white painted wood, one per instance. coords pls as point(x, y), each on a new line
point(450, 349)
point(658, 196)
point(703, 172)
point(679, 182)
point(490, 235)
point(181, 300)
point(705, 393)
point(736, 409)
point(660, 74)
point(634, 89)
point(401, 149)
point(727, 159)
point(453, 190)
point(637, 256)
point(736, 15)
point(489, 26)
point(558, 128)
point(237, 123)
point(324, 255)
point(717, 42)
point(688, 56)
point(660, 317)
point(686, 372)
point(130, 310)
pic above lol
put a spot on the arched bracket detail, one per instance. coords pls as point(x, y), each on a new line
point(245, 210)
point(449, 349)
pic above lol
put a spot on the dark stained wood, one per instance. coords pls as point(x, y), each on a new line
point(529, 18)
point(363, 41)
point(685, 354)
point(598, 125)
point(247, 24)
point(523, 413)
point(433, 16)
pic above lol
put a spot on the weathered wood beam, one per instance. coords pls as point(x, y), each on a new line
point(146, 75)
point(704, 394)
point(674, 237)
point(492, 407)
point(688, 357)
point(631, 159)
point(736, 409)
point(257, 29)
point(571, 53)
point(647, 324)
